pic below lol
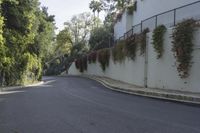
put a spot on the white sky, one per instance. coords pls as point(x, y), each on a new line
point(65, 9)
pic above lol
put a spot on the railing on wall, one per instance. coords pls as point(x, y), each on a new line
point(169, 19)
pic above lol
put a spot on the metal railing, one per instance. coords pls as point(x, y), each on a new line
point(169, 19)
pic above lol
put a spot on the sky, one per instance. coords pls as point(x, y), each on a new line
point(65, 9)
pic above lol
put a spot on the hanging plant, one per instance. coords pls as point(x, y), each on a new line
point(77, 63)
point(81, 64)
point(119, 16)
point(142, 40)
point(84, 63)
point(92, 57)
point(104, 58)
point(132, 8)
point(131, 47)
point(182, 36)
point(158, 40)
point(118, 52)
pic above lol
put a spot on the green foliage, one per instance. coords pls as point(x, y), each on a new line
point(104, 58)
point(183, 35)
point(92, 57)
point(142, 40)
point(32, 68)
point(64, 42)
point(81, 63)
point(131, 47)
point(26, 33)
point(118, 52)
point(119, 16)
point(158, 39)
point(132, 8)
point(100, 38)
point(96, 6)
point(79, 27)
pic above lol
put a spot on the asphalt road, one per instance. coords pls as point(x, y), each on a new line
point(78, 105)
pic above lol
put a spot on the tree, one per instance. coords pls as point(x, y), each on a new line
point(92, 6)
point(26, 32)
point(116, 5)
point(64, 42)
point(96, 6)
point(44, 41)
point(100, 38)
point(79, 27)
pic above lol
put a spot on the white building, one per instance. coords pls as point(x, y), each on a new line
point(149, 8)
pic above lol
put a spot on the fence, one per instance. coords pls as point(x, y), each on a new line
point(169, 19)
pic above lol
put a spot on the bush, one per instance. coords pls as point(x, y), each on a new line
point(131, 47)
point(158, 39)
point(84, 63)
point(183, 46)
point(77, 63)
point(81, 64)
point(104, 58)
point(92, 57)
point(142, 40)
point(118, 52)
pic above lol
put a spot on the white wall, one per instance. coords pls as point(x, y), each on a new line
point(124, 25)
point(120, 27)
point(161, 73)
point(149, 8)
point(125, 71)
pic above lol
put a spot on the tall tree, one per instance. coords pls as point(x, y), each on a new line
point(22, 40)
point(96, 6)
point(79, 27)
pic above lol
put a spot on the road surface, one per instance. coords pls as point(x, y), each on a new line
point(78, 105)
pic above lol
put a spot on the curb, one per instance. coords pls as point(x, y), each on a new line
point(156, 95)
point(19, 87)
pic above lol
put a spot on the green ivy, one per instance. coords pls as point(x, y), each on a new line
point(118, 52)
point(104, 58)
point(158, 40)
point(131, 47)
point(81, 63)
point(182, 36)
point(92, 57)
point(142, 40)
point(132, 8)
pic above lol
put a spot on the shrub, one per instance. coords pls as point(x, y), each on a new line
point(132, 8)
point(183, 46)
point(131, 47)
point(142, 40)
point(158, 39)
point(118, 52)
point(92, 57)
point(84, 63)
point(81, 64)
point(77, 63)
point(104, 58)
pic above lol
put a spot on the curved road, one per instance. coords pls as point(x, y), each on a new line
point(78, 105)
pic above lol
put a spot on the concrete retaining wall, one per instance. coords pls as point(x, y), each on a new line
point(160, 73)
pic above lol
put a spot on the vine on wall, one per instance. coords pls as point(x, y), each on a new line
point(92, 57)
point(158, 40)
point(81, 64)
point(142, 40)
point(132, 8)
point(118, 52)
point(104, 58)
point(182, 36)
point(131, 47)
